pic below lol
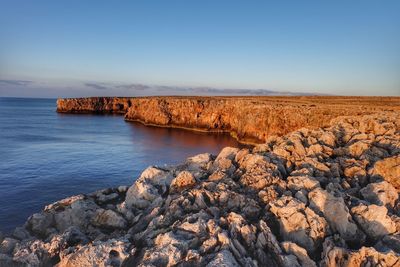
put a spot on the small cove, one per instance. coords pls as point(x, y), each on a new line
point(46, 156)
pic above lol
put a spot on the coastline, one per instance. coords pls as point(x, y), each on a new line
point(250, 120)
point(311, 197)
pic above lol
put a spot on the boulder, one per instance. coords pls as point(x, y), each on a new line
point(7, 245)
point(168, 250)
point(388, 169)
point(299, 252)
point(151, 184)
point(40, 222)
point(297, 183)
point(358, 148)
point(108, 219)
point(336, 213)
point(223, 258)
point(260, 173)
point(78, 213)
point(112, 252)
point(373, 220)
point(333, 256)
point(382, 193)
point(198, 165)
point(182, 181)
point(299, 224)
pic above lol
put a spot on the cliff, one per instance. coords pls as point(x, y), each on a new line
point(314, 197)
point(102, 105)
point(249, 119)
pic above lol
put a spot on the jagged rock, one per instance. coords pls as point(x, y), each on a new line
point(299, 252)
point(198, 227)
point(122, 188)
point(76, 213)
point(358, 148)
point(336, 213)
point(183, 180)
point(208, 245)
point(382, 193)
point(302, 196)
point(260, 173)
point(32, 253)
point(374, 220)
point(64, 203)
point(392, 242)
point(297, 183)
point(104, 198)
point(299, 224)
point(224, 258)
point(7, 245)
point(290, 261)
point(108, 219)
point(333, 256)
point(198, 165)
point(168, 250)
point(110, 253)
point(151, 184)
point(388, 169)
point(234, 209)
point(40, 222)
point(217, 176)
point(21, 233)
point(71, 237)
point(266, 241)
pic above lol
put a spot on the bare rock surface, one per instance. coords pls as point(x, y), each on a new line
point(315, 197)
point(382, 193)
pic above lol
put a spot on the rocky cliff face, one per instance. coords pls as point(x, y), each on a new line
point(118, 105)
point(249, 119)
point(314, 197)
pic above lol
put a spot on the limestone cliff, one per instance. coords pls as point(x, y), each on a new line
point(249, 119)
point(117, 105)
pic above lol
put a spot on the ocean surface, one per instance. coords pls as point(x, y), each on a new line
point(46, 156)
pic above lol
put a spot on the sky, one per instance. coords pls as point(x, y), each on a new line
point(87, 48)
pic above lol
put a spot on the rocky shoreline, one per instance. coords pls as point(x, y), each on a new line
point(314, 197)
point(248, 119)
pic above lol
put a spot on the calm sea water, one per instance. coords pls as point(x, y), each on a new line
point(46, 156)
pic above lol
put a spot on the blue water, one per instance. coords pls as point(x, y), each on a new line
point(46, 156)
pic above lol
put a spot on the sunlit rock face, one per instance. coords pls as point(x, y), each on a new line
point(249, 119)
point(309, 198)
point(118, 105)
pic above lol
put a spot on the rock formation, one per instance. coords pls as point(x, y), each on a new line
point(249, 119)
point(315, 197)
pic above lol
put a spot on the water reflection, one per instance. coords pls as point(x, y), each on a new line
point(160, 138)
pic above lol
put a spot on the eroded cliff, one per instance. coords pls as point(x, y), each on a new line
point(314, 197)
point(118, 105)
point(249, 119)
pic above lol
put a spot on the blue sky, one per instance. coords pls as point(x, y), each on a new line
point(82, 48)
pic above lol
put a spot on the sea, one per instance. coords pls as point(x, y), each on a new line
point(46, 156)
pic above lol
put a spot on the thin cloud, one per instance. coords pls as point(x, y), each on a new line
point(167, 89)
point(97, 86)
point(16, 82)
point(134, 86)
